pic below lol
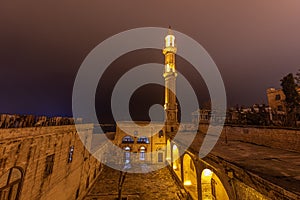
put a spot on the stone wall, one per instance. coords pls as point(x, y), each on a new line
point(21, 121)
point(288, 139)
point(28, 149)
point(247, 193)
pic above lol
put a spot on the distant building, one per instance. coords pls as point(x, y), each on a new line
point(253, 115)
point(276, 99)
point(201, 116)
point(207, 116)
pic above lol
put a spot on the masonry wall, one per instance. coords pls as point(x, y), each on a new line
point(277, 138)
point(266, 136)
point(247, 193)
point(28, 149)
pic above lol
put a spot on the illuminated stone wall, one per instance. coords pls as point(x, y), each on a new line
point(28, 148)
point(247, 193)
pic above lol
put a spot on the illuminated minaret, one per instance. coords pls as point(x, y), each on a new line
point(170, 83)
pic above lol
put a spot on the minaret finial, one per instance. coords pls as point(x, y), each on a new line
point(170, 32)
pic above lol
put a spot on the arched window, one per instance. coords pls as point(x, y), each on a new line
point(10, 184)
point(127, 140)
point(142, 153)
point(127, 148)
point(160, 134)
point(143, 140)
point(127, 155)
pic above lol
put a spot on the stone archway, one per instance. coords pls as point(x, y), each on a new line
point(190, 176)
point(212, 187)
point(176, 161)
point(10, 184)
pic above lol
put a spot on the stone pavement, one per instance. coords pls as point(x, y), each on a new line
point(153, 185)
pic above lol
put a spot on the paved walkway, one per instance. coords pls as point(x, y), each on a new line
point(152, 185)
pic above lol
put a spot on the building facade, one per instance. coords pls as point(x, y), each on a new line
point(138, 143)
point(276, 99)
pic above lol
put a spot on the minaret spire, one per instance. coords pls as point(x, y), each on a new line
point(170, 83)
point(170, 32)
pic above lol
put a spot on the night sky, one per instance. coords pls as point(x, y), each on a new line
point(43, 43)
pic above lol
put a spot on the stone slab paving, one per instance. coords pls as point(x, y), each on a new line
point(153, 185)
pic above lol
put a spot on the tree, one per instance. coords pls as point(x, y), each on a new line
point(292, 98)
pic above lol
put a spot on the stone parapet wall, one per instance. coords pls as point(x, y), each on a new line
point(282, 138)
point(21, 121)
point(287, 139)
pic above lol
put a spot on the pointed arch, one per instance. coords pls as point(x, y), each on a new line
point(211, 186)
point(168, 158)
point(176, 162)
point(190, 176)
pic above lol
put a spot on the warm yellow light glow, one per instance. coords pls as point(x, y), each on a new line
point(170, 41)
point(168, 158)
point(187, 182)
point(174, 166)
point(207, 172)
point(168, 68)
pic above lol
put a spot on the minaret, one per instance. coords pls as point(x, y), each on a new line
point(170, 84)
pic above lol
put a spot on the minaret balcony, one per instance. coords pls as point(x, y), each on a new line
point(170, 49)
point(170, 74)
